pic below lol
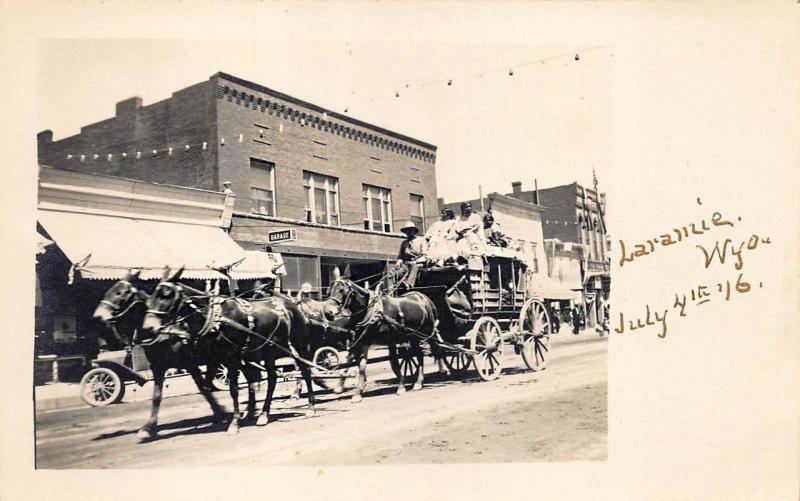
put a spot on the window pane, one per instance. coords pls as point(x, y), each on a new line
point(319, 206)
point(376, 214)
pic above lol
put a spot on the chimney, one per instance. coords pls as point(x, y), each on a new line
point(46, 136)
point(129, 105)
point(516, 187)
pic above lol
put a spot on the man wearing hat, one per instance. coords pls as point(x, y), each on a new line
point(412, 250)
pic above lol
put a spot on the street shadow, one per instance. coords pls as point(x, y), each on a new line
point(209, 421)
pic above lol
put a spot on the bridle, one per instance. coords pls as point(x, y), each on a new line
point(115, 308)
point(177, 300)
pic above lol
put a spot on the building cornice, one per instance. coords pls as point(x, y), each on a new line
point(330, 121)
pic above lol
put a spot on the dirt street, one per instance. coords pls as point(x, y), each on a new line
point(558, 414)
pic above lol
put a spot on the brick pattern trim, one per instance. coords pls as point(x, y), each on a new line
point(317, 121)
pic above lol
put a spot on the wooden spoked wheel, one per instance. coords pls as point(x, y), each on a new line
point(403, 361)
point(101, 386)
point(456, 362)
point(327, 358)
point(534, 322)
point(486, 339)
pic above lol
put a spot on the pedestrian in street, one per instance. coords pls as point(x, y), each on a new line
point(576, 320)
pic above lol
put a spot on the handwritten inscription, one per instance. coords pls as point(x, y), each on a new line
point(728, 248)
point(723, 251)
point(697, 296)
point(669, 238)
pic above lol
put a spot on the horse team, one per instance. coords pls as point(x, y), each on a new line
point(179, 326)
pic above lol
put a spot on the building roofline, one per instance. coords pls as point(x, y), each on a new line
point(320, 109)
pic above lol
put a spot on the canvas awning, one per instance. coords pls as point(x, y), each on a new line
point(543, 287)
point(106, 247)
point(259, 264)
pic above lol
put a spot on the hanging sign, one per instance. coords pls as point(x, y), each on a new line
point(277, 236)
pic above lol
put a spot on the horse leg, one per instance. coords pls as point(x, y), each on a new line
point(401, 385)
point(272, 381)
point(417, 351)
point(253, 376)
point(233, 379)
point(298, 386)
point(204, 389)
point(149, 431)
point(305, 370)
point(361, 377)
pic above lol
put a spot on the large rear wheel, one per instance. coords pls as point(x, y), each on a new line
point(535, 324)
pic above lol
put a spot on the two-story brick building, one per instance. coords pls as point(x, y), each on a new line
point(342, 185)
point(576, 239)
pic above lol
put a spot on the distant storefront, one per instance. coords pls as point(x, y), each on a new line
point(93, 229)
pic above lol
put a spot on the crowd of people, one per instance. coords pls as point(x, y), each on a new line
point(451, 239)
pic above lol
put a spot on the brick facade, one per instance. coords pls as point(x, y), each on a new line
point(208, 133)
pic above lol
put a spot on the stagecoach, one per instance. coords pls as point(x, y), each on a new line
point(484, 307)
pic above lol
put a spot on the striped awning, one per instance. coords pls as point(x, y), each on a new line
point(106, 247)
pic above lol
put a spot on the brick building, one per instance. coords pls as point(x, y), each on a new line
point(576, 239)
point(342, 185)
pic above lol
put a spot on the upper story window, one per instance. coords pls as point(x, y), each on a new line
point(262, 187)
point(418, 211)
point(322, 198)
point(377, 208)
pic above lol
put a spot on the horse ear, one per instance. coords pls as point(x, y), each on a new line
point(336, 274)
point(133, 274)
point(165, 273)
point(177, 274)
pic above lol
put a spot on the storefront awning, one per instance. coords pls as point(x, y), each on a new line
point(259, 264)
point(543, 287)
point(106, 247)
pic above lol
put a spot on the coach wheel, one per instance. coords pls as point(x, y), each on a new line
point(327, 358)
point(534, 319)
point(101, 386)
point(403, 361)
point(486, 339)
point(221, 379)
point(534, 351)
point(535, 324)
point(456, 362)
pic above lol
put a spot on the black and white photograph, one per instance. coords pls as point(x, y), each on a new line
point(233, 257)
point(365, 250)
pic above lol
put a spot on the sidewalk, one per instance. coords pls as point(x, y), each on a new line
point(64, 396)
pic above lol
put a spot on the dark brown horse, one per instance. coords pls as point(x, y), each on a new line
point(123, 310)
point(388, 321)
point(262, 330)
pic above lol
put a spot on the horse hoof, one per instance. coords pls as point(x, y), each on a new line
point(233, 430)
point(262, 420)
point(144, 435)
point(417, 387)
point(294, 398)
point(311, 413)
point(401, 390)
point(356, 399)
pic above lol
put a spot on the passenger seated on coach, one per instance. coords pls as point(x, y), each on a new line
point(441, 237)
point(492, 232)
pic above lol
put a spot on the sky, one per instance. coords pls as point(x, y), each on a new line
point(549, 121)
